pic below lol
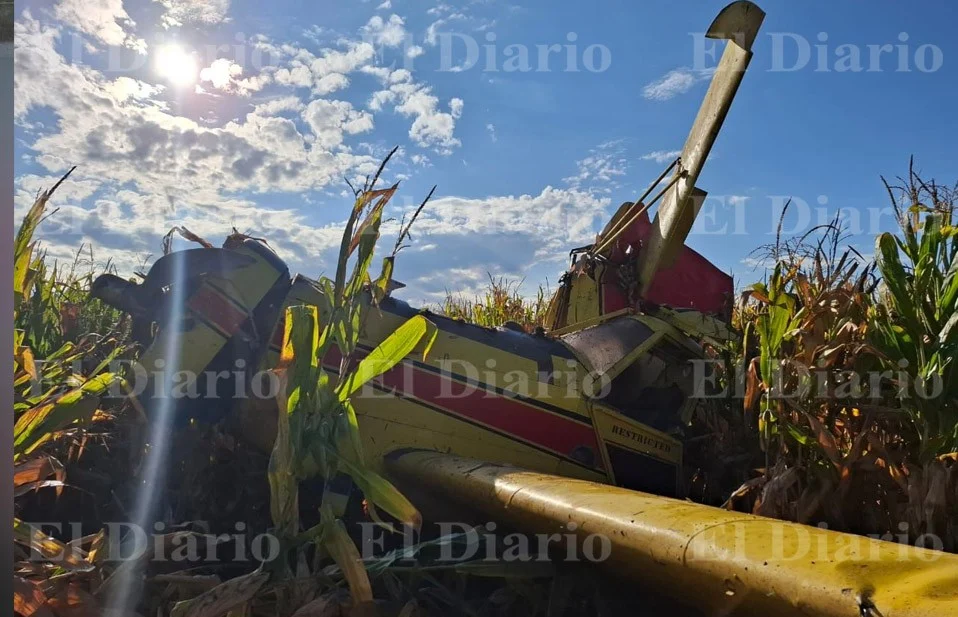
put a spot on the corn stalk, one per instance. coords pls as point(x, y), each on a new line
point(838, 354)
point(318, 432)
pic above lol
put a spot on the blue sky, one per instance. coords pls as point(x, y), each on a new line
point(531, 157)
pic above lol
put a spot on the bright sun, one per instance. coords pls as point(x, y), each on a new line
point(176, 65)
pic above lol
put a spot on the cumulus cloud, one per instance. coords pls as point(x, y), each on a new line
point(324, 73)
point(431, 127)
point(104, 20)
point(149, 160)
point(516, 236)
point(126, 140)
point(224, 74)
point(180, 12)
point(601, 169)
point(328, 72)
point(125, 88)
point(329, 120)
point(435, 28)
point(549, 222)
point(389, 33)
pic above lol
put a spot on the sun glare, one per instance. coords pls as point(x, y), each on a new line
point(176, 65)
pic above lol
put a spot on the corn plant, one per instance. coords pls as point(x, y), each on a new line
point(318, 431)
point(58, 383)
point(917, 320)
point(837, 354)
point(499, 303)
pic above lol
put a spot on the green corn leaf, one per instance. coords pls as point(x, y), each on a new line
point(381, 285)
point(39, 424)
point(368, 235)
point(352, 422)
point(896, 280)
point(949, 333)
point(284, 494)
point(948, 302)
point(385, 356)
point(382, 493)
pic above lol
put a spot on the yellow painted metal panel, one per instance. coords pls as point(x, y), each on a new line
point(394, 423)
point(725, 562)
point(633, 435)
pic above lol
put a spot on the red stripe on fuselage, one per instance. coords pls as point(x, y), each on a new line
point(217, 310)
point(525, 421)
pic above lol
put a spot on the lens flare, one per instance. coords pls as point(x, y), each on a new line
point(125, 594)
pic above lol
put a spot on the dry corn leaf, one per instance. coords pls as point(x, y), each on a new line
point(347, 557)
point(28, 599)
point(754, 386)
point(49, 548)
point(226, 596)
point(826, 440)
point(73, 601)
point(33, 474)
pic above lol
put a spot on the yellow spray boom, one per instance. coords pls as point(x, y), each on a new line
point(726, 563)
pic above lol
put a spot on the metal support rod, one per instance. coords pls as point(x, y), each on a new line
point(611, 238)
point(618, 227)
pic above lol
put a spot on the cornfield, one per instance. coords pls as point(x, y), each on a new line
point(826, 419)
point(501, 303)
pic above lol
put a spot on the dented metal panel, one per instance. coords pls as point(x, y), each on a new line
point(607, 348)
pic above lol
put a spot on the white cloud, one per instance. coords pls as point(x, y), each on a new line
point(420, 159)
point(126, 140)
point(516, 236)
point(180, 12)
point(104, 20)
point(297, 75)
point(342, 62)
point(674, 83)
point(72, 190)
point(439, 9)
point(550, 222)
point(149, 160)
point(389, 33)
point(491, 129)
point(455, 107)
point(755, 263)
point(224, 74)
point(221, 72)
point(329, 120)
point(661, 156)
point(125, 88)
point(601, 169)
point(385, 6)
point(430, 127)
point(445, 14)
point(433, 31)
point(414, 51)
point(326, 72)
point(329, 72)
point(327, 84)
